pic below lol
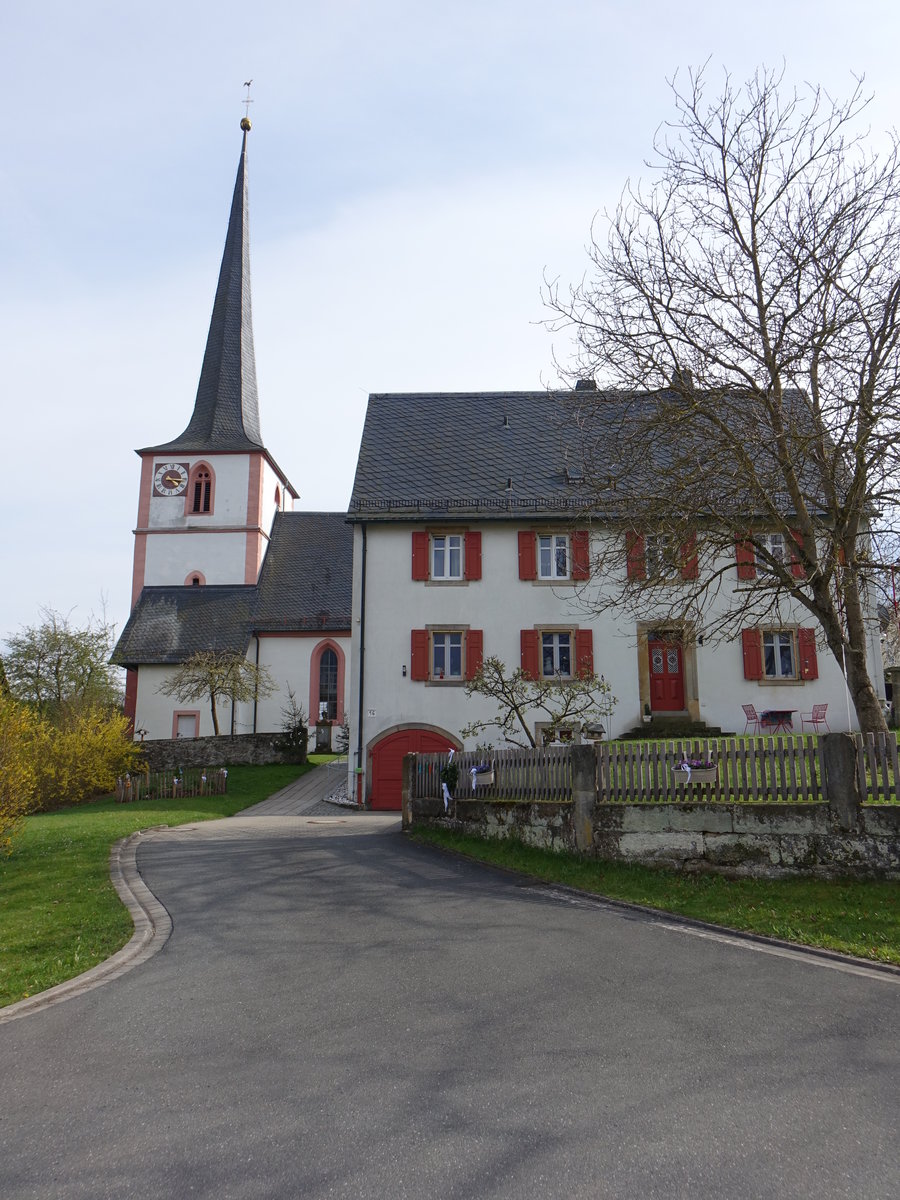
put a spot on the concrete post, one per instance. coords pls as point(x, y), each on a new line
point(842, 779)
point(584, 794)
point(406, 790)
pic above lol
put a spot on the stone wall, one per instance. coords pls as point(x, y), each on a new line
point(244, 749)
point(733, 839)
point(840, 838)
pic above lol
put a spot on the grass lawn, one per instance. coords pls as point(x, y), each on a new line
point(59, 912)
point(859, 918)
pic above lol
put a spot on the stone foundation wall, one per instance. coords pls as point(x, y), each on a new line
point(733, 839)
point(242, 750)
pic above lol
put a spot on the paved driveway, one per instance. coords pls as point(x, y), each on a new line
point(340, 1013)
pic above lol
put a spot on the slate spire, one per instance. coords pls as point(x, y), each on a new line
point(226, 410)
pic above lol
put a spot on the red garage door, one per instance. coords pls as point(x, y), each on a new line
point(387, 762)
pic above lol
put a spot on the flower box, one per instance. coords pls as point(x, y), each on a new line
point(697, 775)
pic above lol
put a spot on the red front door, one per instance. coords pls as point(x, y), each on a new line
point(666, 677)
point(387, 763)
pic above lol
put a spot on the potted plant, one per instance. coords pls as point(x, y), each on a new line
point(648, 716)
point(693, 769)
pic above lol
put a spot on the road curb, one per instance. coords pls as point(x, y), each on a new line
point(152, 927)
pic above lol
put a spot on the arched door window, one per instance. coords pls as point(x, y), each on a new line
point(328, 685)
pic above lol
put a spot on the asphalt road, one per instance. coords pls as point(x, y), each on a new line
point(340, 1013)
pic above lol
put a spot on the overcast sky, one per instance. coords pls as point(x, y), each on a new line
point(414, 170)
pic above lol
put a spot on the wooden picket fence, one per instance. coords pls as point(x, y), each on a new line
point(166, 785)
point(748, 771)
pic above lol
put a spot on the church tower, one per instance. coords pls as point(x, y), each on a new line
point(209, 496)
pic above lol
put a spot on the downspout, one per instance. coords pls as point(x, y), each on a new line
point(362, 667)
point(256, 685)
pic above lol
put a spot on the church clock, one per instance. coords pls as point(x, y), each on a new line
point(170, 479)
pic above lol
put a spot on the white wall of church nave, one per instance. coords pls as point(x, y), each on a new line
point(232, 476)
point(220, 557)
point(288, 661)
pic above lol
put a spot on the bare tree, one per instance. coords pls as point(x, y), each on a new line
point(564, 703)
point(741, 316)
point(218, 674)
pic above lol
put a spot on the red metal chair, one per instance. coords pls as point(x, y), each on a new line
point(815, 718)
point(752, 718)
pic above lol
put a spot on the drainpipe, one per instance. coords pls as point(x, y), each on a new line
point(362, 664)
point(256, 686)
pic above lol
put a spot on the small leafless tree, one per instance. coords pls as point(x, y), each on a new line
point(218, 674)
point(741, 317)
point(563, 703)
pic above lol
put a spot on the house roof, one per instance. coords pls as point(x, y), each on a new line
point(305, 585)
point(226, 410)
point(497, 454)
point(509, 455)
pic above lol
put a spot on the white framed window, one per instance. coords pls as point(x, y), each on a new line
point(446, 556)
point(773, 545)
point(661, 555)
point(779, 654)
point(447, 655)
point(556, 655)
point(553, 556)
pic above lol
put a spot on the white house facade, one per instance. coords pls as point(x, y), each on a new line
point(470, 541)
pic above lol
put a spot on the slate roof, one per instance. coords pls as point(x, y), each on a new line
point(169, 624)
point(492, 453)
point(307, 576)
point(305, 584)
point(509, 455)
point(226, 410)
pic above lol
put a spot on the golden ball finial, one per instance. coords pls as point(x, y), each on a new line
point(245, 124)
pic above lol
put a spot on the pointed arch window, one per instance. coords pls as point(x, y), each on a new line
point(328, 685)
point(201, 491)
point(326, 682)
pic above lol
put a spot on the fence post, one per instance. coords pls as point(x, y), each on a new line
point(406, 789)
point(839, 755)
point(584, 793)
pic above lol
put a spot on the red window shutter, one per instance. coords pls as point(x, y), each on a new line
point(420, 555)
point(634, 555)
point(581, 554)
point(584, 651)
point(473, 554)
point(806, 648)
point(797, 569)
point(752, 646)
point(531, 653)
point(527, 555)
point(474, 652)
point(746, 560)
point(419, 654)
point(689, 561)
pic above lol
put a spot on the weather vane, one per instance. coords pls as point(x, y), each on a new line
point(247, 102)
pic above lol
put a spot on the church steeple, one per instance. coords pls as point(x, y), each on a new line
point(226, 410)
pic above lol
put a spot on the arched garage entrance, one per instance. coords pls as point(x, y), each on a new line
point(387, 762)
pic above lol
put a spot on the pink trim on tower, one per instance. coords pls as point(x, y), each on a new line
point(139, 566)
point(315, 659)
point(254, 546)
point(191, 576)
point(186, 712)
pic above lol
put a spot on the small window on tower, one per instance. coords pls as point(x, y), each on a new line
point(201, 490)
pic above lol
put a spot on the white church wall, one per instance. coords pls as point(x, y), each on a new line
point(219, 557)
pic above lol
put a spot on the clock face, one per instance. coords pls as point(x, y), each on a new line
point(170, 479)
